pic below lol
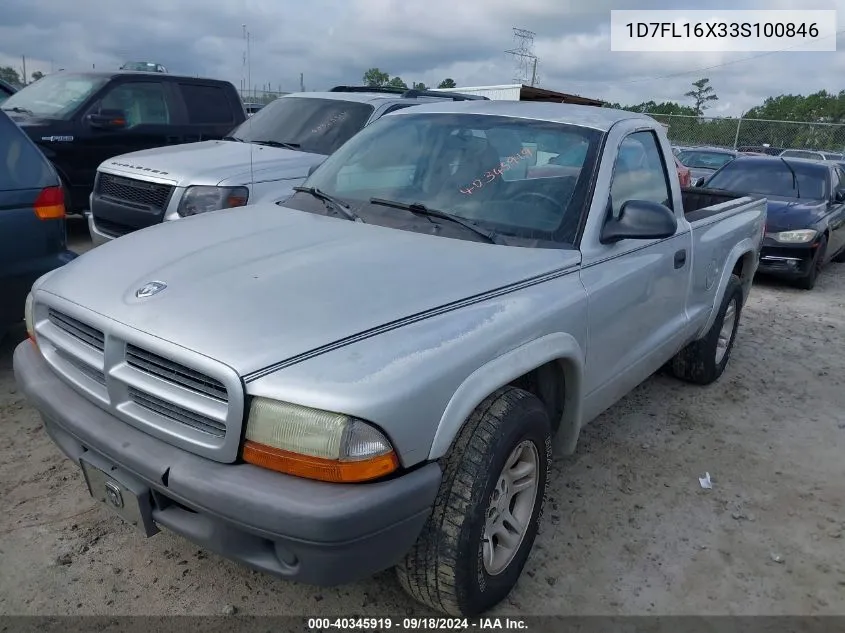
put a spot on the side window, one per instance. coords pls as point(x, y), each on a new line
point(639, 173)
point(398, 106)
point(206, 104)
point(142, 102)
point(22, 166)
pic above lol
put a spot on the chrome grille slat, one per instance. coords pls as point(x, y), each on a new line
point(175, 373)
point(177, 413)
point(78, 329)
point(87, 370)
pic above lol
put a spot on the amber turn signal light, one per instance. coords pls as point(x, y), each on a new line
point(318, 467)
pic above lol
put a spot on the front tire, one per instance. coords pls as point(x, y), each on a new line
point(482, 527)
point(808, 281)
point(703, 361)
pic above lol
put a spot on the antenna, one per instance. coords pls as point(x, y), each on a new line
point(524, 57)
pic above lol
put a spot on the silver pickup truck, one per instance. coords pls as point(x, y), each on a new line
point(377, 373)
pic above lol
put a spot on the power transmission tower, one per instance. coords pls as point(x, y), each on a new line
point(524, 57)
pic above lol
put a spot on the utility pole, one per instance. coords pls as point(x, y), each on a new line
point(247, 58)
point(23, 57)
point(301, 83)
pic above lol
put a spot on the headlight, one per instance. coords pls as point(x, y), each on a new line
point(801, 236)
point(201, 199)
point(27, 315)
point(315, 444)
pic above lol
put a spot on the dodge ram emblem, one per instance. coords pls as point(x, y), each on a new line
point(150, 289)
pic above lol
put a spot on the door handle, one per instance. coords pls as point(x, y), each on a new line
point(680, 258)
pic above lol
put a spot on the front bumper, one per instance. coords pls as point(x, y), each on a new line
point(97, 236)
point(313, 532)
point(791, 261)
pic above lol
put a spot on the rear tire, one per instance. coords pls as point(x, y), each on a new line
point(703, 361)
point(840, 258)
point(491, 496)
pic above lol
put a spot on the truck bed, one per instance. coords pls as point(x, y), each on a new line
point(700, 203)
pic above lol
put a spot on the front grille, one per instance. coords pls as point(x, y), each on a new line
point(177, 414)
point(183, 398)
point(175, 373)
point(130, 190)
point(86, 370)
point(77, 329)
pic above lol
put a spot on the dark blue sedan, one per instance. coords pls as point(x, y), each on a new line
point(805, 227)
point(33, 240)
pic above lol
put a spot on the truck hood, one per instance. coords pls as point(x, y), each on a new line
point(267, 283)
point(214, 163)
point(787, 214)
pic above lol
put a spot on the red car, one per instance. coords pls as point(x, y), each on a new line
point(684, 174)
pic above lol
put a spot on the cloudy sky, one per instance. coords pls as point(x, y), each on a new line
point(335, 41)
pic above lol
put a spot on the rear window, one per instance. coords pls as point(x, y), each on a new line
point(22, 165)
point(314, 125)
point(207, 104)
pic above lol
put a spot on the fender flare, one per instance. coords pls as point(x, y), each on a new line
point(740, 250)
point(506, 368)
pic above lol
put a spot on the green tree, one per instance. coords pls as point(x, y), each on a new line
point(376, 78)
point(396, 82)
point(447, 83)
point(702, 94)
point(37, 75)
point(9, 74)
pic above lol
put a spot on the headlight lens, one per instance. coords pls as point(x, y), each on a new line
point(316, 444)
point(201, 199)
point(27, 315)
point(801, 236)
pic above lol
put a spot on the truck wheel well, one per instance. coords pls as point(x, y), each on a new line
point(548, 383)
point(741, 269)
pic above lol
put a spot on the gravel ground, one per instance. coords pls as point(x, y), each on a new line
point(628, 529)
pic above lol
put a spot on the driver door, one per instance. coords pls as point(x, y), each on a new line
point(637, 289)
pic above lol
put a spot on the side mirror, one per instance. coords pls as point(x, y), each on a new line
point(313, 168)
point(840, 195)
point(640, 220)
point(698, 182)
point(107, 119)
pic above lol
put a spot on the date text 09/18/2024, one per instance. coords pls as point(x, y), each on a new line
point(415, 624)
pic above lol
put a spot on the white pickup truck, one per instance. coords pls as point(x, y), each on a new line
point(375, 373)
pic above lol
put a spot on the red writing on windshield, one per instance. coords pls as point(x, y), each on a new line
point(496, 172)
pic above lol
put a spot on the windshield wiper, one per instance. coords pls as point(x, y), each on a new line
point(233, 138)
point(344, 208)
point(418, 208)
point(794, 177)
point(278, 144)
point(19, 110)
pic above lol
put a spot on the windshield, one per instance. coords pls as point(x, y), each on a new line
point(55, 96)
point(799, 153)
point(704, 159)
point(773, 178)
point(516, 177)
point(831, 156)
point(318, 126)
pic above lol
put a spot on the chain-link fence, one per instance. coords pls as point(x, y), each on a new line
point(753, 133)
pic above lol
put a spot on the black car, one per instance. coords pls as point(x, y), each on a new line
point(32, 228)
point(805, 228)
point(81, 119)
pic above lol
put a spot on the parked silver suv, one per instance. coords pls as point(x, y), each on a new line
point(262, 159)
